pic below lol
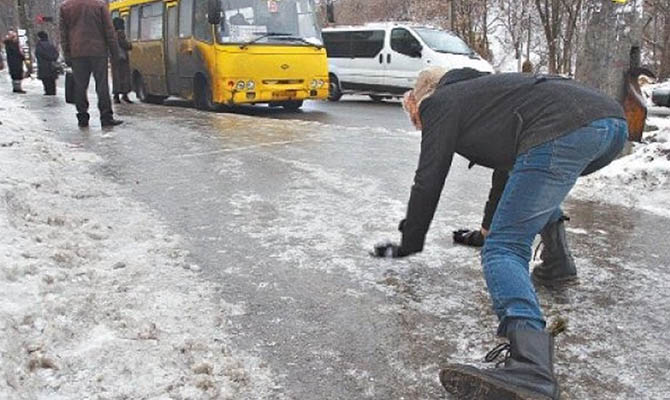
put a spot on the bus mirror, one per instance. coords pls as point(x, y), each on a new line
point(214, 12)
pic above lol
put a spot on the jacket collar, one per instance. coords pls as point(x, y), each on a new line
point(459, 75)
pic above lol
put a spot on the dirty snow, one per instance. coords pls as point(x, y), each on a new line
point(639, 179)
point(98, 298)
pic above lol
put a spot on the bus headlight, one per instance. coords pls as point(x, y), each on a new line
point(240, 85)
point(251, 85)
point(314, 84)
point(321, 83)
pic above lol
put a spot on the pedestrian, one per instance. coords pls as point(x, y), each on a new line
point(15, 60)
point(47, 63)
point(547, 131)
point(121, 69)
point(87, 38)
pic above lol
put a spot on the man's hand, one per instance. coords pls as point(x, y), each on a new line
point(388, 250)
point(467, 237)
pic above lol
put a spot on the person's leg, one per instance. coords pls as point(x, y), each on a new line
point(81, 71)
point(539, 182)
point(50, 89)
point(100, 68)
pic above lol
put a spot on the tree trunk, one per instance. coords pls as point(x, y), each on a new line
point(612, 30)
point(664, 69)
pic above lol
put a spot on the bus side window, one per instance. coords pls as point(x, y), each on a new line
point(115, 14)
point(152, 21)
point(134, 23)
point(202, 30)
point(185, 18)
point(126, 24)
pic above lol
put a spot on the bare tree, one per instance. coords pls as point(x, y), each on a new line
point(656, 36)
point(515, 18)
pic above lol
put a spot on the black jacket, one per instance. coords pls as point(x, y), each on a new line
point(490, 120)
point(14, 59)
point(46, 54)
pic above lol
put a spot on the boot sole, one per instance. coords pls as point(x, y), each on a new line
point(469, 383)
point(558, 282)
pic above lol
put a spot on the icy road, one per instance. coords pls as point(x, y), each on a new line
point(276, 212)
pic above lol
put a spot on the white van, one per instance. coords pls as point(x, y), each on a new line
point(382, 60)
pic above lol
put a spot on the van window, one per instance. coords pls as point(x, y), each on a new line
point(367, 44)
point(151, 23)
point(404, 42)
point(134, 23)
point(185, 18)
point(443, 42)
point(338, 44)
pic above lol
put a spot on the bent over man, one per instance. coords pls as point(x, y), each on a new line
point(547, 131)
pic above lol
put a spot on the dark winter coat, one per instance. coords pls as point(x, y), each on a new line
point(14, 59)
point(86, 29)
point(490, 120)
point(121, 68)
point(46, 54)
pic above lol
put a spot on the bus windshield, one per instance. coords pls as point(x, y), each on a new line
point(443, 42)
point(269, 21)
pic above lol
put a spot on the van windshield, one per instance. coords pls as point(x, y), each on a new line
point(443, 42)
point(269, 21)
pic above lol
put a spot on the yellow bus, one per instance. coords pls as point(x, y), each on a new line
point(225, 52)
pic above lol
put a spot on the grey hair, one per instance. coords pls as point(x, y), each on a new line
point(426, 82)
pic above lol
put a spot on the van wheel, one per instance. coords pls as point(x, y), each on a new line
point(202, 95)
point(292, 105)
point(143, 95)
point(334, 91)
point(376, 98)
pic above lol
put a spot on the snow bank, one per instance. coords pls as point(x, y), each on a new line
point(640, 179)
point(98, 298)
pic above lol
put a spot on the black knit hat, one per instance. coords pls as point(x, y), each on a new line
point(42, 35)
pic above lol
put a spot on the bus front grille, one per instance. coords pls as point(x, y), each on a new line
point(283, 81)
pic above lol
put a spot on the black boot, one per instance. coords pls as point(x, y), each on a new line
point(82, 120)
point(527, 374)
point(557, 266)
point(106, 123)
point(117, 100)
point(127, 99)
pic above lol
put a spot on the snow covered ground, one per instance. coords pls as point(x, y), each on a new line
point(640, 179)
point(97, 299)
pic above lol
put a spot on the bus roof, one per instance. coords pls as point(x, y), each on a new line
point(121, 4)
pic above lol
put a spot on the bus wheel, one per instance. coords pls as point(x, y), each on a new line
point(203, 96)
point(141, 92)
point(334, 91)
point(292, 105)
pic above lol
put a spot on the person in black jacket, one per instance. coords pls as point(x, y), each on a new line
point(47, 57)
point(15, 59)
point(121, 69)
point(547, 131)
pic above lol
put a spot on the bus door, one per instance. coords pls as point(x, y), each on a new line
point(171, 47)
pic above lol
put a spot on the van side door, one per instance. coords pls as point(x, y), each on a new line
point(367, 73)
point(404, 61)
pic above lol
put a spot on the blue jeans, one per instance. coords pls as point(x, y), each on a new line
point(538, 183)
